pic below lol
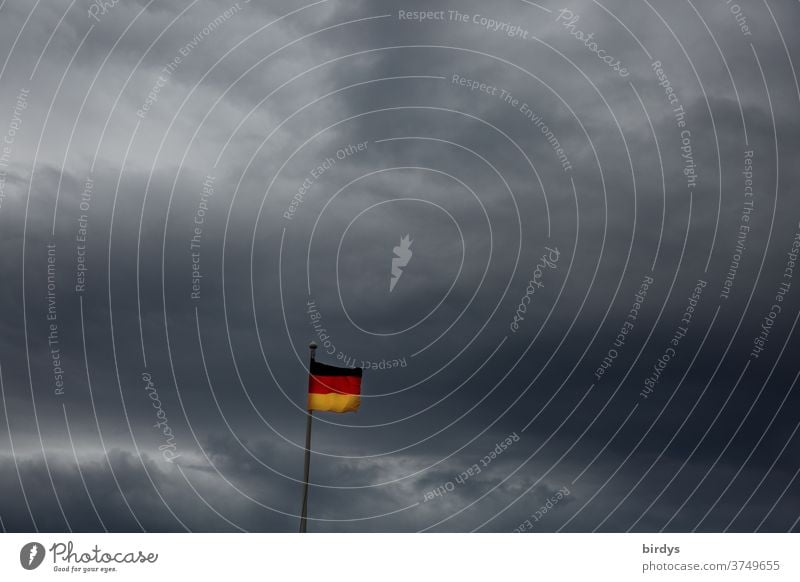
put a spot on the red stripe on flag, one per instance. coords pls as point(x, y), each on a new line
point(334, 385)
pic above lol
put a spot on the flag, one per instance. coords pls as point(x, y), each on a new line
point(333, 389)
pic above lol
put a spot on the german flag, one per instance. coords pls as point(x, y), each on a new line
point(333, 389)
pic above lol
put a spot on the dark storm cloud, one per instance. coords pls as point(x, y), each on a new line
point(235, 407)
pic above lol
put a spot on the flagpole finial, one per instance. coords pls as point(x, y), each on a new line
point(312, 346)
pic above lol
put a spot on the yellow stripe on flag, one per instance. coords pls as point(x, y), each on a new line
point(334, 402)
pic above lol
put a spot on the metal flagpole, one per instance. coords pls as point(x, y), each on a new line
point(304, 512)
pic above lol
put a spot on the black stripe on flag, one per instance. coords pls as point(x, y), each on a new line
point(318, 369)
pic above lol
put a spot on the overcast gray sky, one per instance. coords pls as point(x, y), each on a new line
point(594, 330)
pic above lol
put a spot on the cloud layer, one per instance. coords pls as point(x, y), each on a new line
point(600, 198)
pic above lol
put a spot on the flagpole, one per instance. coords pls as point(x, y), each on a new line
point(304, 512)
